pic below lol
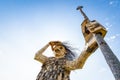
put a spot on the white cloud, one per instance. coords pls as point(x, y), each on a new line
point(111, 2)
point(107, 28)
point(114, 3)
point(117, 35)
point(108, 25)
point(111, 38)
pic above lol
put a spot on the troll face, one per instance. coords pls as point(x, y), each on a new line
point(59, 50)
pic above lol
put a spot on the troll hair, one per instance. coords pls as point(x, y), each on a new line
point(71, 54)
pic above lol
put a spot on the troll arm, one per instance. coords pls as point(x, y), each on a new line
point(78, 63)
point(39, 56)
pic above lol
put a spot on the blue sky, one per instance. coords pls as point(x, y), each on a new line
point(27, 25)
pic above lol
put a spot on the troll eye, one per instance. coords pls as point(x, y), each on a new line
point(61, 47)
point(56, 50)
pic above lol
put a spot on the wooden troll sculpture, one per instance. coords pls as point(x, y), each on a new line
point(60, 66)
